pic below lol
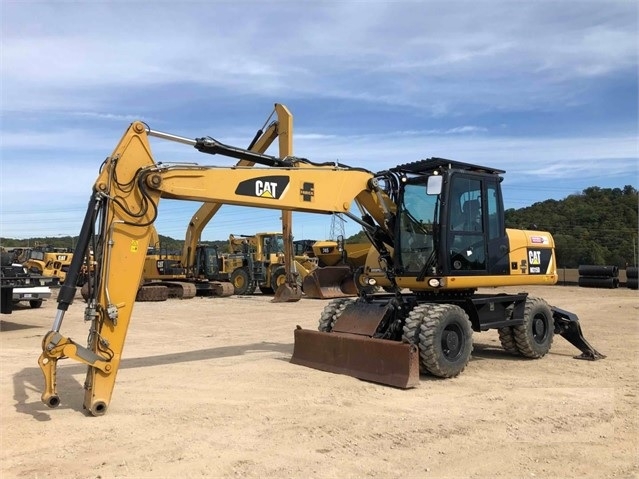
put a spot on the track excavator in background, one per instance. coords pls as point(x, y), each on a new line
point(281, 129)
point(438, 238)
point(164, 275)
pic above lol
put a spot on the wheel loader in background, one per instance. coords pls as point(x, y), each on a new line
point(323, 269)
point(49, 261)
point(262, 266)
point(437, 232)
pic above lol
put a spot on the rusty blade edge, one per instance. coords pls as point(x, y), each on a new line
point(381, 361)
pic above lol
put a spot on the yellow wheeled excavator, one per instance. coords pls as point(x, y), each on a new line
point(437, 232)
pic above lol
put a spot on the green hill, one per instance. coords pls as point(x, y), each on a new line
point(597, 226)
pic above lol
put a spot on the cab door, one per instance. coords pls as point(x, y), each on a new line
point(476, 237)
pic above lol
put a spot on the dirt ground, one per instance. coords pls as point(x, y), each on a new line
point(206, 389)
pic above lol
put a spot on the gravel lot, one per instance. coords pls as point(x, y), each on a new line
point(206, 389)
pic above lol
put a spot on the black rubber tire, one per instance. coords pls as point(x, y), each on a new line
point(534, 337)
point(507, 335)
point(242, 282)
point(445, 339)
point(278, 278)
point(84, 290)
point(331, 312)
point(35, 303)
point(631, 283)
point(632, 272)
point(507, 340)
point(413, 323)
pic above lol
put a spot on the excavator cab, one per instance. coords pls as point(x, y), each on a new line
point(456, 229)
point(208, 263)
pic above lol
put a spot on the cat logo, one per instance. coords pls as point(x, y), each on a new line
point(534, 257)
point(270, 187)
point(265, 189)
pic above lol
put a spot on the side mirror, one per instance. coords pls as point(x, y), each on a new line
point(434, 185)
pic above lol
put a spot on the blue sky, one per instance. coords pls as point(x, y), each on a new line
point(545, 90)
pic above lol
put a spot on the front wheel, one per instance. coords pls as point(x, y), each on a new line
point(241, 281)
point(331, 312)
point(445, 339)
point(278, 278)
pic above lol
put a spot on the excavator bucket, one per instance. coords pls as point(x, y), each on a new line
point(330, 282)
point(287, 294)
point(378, 360)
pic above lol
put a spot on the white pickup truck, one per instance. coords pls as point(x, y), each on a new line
point(19, 285)
point(34, 294)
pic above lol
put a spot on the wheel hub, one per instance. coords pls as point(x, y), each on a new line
point(539, 329)
point(451, 343)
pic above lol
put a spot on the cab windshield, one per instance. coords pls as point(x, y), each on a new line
point(416, 223)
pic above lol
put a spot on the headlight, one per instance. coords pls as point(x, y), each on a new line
point(371, 281)
point(434, 283)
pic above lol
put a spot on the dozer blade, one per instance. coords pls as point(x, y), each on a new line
point(378, 360)
point(330, 282)
point(287, 294)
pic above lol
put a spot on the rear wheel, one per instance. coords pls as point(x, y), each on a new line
point(534, 337)
point(331, 312)
point(445, 339)
point(242, 283)
point(35, 303)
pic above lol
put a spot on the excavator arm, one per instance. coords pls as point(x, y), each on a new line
point(119, 226)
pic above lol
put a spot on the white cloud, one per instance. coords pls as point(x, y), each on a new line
point(401, 53)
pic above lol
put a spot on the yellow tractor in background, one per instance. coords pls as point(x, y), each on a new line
point(261, 263)
point(49, 261)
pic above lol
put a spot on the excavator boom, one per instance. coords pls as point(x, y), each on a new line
point(123, 208)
